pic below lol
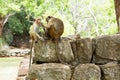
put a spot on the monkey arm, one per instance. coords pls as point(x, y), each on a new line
point(44, 27)
point(48, 26)
point(39, 37)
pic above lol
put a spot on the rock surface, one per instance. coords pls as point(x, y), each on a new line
point(46, 51)
point(82, 50)
point(49, 71)
point(107, 49)
point(84, 53)
point(23, 68)
point(87, 72)
point(13, 52)
point(111, 71)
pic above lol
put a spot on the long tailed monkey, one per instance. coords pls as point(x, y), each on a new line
point(34, 30)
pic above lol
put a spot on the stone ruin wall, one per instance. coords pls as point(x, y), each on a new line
point(83, 59)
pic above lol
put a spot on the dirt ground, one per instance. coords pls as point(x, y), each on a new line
point(9, 73)
point(9, 69)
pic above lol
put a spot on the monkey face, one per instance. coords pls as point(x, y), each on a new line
point(38, 21)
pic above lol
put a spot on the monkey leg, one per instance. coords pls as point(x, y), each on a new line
point(57, 52)
point(31, 53)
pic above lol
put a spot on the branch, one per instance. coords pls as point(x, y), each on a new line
point(7, 17)
point(74, 11)
point(89, 8)
point(28, 17)
point(52, 1)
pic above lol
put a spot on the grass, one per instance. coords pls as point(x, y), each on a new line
point(9, 61)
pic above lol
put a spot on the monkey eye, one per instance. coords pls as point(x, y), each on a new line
point(49, 16)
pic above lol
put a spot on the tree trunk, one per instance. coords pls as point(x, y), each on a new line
point(0, 32)
point(1, 27)
point(3, 20)
point(117, 9)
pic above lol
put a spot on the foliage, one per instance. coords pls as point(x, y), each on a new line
point(85, 17)
point(92, 18)
point(18, 23)
point(8, 6)
point(7, 34)
point(2, 43)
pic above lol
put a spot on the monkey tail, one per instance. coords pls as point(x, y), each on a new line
point(31, 50)
point(57, 49)
point(57, 52)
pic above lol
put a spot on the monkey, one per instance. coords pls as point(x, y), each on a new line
point(33, 31)
point(53, 30)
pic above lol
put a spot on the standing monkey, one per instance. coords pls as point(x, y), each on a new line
point(54, 29)
point(34, 30)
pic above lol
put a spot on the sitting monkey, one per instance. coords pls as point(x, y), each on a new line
point(34, 30)
point(54, 29)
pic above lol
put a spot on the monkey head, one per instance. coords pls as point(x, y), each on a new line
point(38, 21)
point(48, 18)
